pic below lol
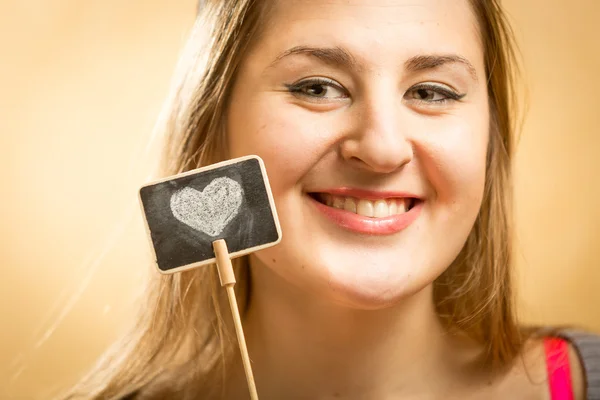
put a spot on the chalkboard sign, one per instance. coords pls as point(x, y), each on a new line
point(186, 213)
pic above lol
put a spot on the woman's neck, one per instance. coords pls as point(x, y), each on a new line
point(305, 346)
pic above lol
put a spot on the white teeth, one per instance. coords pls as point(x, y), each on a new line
point(338, 202)
point(393, 206)
point(402, 206)
point(380, 209)
point(328, 199)
point(350, 205)
point(365, 208)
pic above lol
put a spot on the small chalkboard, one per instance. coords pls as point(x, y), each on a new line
point(186, 213)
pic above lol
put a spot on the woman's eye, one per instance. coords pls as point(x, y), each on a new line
point(432, 94)
point(318, 89)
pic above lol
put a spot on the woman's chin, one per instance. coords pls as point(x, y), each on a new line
point(350, 281)
point(372, 292)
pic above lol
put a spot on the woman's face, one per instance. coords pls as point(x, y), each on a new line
point(372, 119)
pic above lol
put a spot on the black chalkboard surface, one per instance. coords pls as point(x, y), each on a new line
point(184, 214)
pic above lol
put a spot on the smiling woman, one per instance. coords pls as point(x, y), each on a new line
point(386, 130)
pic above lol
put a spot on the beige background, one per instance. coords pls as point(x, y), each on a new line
point(81, 83)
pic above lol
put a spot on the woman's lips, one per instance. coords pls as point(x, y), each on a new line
point(369, 225)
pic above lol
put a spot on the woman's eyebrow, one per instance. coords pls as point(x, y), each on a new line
point(424, 62)
point(338, 56)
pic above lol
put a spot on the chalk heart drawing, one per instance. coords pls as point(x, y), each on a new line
point(212, 209)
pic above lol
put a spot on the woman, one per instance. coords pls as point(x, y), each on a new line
point(386, 129)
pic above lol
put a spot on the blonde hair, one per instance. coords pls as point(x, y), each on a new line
point(181, 337)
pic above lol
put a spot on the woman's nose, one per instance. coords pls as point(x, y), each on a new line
point(378, 141)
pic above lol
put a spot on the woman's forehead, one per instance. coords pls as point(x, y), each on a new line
point(374, 31)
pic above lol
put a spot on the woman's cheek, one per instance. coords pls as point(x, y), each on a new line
point(289, 141)
point(454, 161)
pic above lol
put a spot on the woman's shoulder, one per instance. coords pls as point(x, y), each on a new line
point(555, 364)
point(584, 357)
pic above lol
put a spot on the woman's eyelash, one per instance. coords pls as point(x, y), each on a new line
point(424, 90)
point(427, 88)
point(300, 87)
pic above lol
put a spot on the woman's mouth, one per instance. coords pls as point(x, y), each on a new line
point(382, 216)
point(367, 208)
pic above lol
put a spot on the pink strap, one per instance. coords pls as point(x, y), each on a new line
point(559, 369)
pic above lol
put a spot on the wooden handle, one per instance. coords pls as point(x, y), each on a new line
point(242, 342)
point(224, 267)
point(227, 278)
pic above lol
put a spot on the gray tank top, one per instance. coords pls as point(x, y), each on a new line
point(588, 348)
